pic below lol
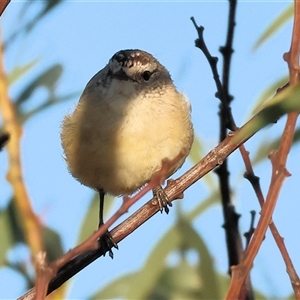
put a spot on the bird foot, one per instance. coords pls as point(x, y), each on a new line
point(162, 199)
point(106, 242)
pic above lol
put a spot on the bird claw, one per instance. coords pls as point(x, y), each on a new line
point(162, 199)
point(106, 242)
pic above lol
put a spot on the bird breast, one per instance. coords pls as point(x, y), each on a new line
point(118, 145)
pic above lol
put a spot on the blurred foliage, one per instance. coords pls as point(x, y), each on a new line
point(267, 146)
point(192, 277)
point(12, 235)
point(274, 26)
point(27, 20)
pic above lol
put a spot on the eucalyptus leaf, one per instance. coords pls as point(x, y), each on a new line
point(179, 282)
point(116, 288)
point(274, 26)
point(266, 147)
point(269, 92)
point(15, 225)
point(52, 243)
point(7, 239)
point(47, 6)
point(156, 262)
point(19, 71)
point(31, 19)
point(286, 101)
point(47, 79)
point(209, 287)
point(24, 116)
point(196, 154)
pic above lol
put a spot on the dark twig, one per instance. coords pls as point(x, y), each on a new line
point(249, 233)
point(230, 216)
point(227, 50)
point(213, 60)
point(233, 237)
point(4, 137)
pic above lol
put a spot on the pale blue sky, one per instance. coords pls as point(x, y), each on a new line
point(83, 35)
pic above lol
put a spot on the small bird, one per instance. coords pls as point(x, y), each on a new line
point(128, 119)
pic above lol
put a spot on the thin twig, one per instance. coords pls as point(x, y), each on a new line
point(233, 236)
point(4, 137)
point(250, 232)
point(213, 60)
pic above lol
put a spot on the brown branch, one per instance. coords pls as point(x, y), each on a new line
point(254, 180)
point(3, 5)
point(279, 173)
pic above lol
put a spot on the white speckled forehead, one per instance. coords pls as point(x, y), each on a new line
point(132, 61)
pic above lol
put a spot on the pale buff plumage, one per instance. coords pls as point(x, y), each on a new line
point(121, 130)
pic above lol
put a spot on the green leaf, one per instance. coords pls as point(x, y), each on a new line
point(291, 297)
point(197, 151)
point(47, 79)
point(192, 240)
point(205, 270)
point(12, 233)
point(52, 243)
point(7, 240)
point(269, 93)
point(117, 288)
point(24, 116)
point(274, 26)
point(20, 71)
point(48, 6)
point(196, 154)
point(179, 282)
point(268, 145)
point(14, 223)
point(32, 19)
point(285, 102)
point(155, 264)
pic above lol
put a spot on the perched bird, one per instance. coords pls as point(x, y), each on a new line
point(129, 118)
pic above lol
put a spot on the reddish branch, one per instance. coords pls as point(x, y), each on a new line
point(279, 173)
point(3, 5)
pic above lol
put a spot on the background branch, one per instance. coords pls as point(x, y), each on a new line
point(31, 224)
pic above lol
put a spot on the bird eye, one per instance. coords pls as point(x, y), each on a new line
point(146, 75)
